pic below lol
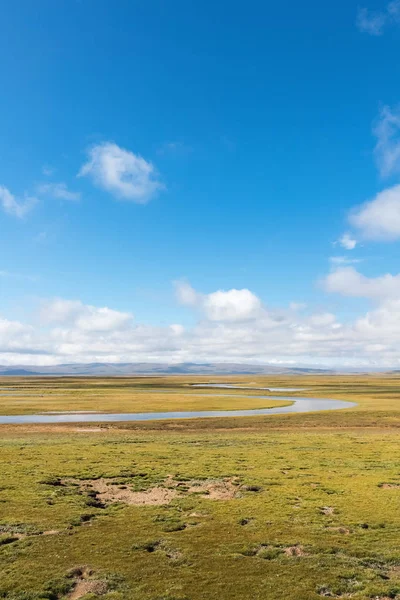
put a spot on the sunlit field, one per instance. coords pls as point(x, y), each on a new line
point(294, 507)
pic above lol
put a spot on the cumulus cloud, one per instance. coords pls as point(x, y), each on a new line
point(349, 282)
point(71, 331)
point(186, 295)
point(83, 317)
point(58, 190)
point(379, 219)
point(17, 338)
point(347, 241)
point(16, 207)
point(231, 305)
point(124, 174)
point(322, 319)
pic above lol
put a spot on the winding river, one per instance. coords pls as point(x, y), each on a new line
point(300, 405)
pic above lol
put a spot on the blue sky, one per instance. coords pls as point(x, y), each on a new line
point(150, 149)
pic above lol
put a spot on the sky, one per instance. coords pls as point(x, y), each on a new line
point(200, 181)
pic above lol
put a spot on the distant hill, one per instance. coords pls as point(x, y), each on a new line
point(157, 369)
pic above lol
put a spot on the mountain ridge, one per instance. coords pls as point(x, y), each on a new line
point(109, 369)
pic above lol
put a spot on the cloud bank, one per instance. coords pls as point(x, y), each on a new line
point(232, 325)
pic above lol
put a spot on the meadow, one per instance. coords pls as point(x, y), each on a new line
point(300, 507)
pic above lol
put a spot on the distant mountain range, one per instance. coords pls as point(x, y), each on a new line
point(158, 369)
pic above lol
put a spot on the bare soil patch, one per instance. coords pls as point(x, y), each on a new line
point(86, 584)
point(107, 491)
point(214, 489)
point(295, 551)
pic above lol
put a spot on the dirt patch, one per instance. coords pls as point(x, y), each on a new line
point(103, 491)
point(86, 584)
point(214, 489)
point(295, 551)
point(107, 492)
point(390, 486)
point(88, 587)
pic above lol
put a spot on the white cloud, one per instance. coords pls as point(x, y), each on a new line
point(297, 306)
point(13, 206)
point(344, 260)
point(177, 329)
point(71, 331)
point(231, 305)
point(17, 338)
point(58, 190)
point(83, 317)
point(371, 22)
point(374, 22)
point(122, 173)
point(322, 320)
point(381, 325)
point(347, 241)
point(186, 295)
point(387, 133)
point(349, 282)
point(379, 219)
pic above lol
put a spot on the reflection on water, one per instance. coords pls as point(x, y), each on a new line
point(300, 405)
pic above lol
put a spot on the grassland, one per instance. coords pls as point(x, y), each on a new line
point(314, 510)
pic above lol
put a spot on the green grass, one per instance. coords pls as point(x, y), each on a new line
point(23, 396)
point(312, 481)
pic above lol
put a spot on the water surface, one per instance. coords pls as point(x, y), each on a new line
point(300, 405)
